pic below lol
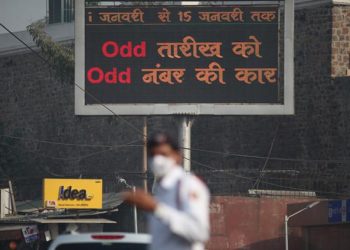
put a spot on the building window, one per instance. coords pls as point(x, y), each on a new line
point(61, 11)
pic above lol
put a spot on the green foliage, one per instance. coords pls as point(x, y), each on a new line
point(59, 56)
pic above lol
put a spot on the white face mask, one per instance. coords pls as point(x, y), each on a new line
point(161, 165)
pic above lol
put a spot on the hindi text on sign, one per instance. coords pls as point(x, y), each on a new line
point(261, 75)
point(236, 15)
point(211, 74)
point(245, 49)
point(159, 75)
point(189, 48)
point(182, 54)
point(121, 17)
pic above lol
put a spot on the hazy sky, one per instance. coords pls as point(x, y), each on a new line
point(17, 14)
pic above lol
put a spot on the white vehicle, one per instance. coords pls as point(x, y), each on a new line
point(101, 241)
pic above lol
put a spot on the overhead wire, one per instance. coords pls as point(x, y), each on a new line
point(77, 85)
point(141, 133)
point(257, 157)
point(110, 148)
point(261, 172)
point(224, 154)
point(55, 157)
point(230, 175)
point(265, 182)
point(54, 142)
point(78, 159)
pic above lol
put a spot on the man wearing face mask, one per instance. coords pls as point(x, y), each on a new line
point(180, 207)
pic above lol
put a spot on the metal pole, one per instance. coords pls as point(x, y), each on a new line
point(186, 124)
point(62, 11)
point(135, 214)
point(286, 219)
point(286, 231)
point(13, 202)
point(185, 141)
point(145, 167)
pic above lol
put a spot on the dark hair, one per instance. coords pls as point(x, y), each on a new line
point(159, 139)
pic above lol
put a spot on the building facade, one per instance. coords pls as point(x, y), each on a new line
point(41, 136)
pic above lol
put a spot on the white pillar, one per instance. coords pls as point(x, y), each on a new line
point(186, 124)
point(135, 215)
point(185, 141)
point(286, 232)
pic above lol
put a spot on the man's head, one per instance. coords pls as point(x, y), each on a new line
point(164, 153)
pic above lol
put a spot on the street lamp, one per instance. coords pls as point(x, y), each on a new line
point(133, 188)
point(286, 219)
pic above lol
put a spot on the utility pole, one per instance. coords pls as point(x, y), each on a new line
point(13, 202)
point(185, 140)
point(145, 167)
point(135, 214)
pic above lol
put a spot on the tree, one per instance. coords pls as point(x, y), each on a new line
point(60, 57)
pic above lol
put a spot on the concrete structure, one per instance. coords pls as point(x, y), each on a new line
point(318, 233)
point(43, 137)
point(258, 224)
point(37, 108)
point(251, 223)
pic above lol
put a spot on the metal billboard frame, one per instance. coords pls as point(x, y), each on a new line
point(195, 108)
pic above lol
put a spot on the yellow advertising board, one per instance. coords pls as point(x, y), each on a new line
point(72, 193)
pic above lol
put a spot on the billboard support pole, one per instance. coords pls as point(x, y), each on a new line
point(185, 126)
point(145, 167)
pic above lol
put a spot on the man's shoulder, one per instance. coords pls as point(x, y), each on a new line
point(193, 182)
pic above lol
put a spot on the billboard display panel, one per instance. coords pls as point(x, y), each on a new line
point(149, 60)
